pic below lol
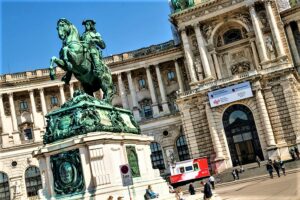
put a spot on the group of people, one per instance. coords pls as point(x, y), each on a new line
point(277, 165)
point(207, 189)
point(112, 198)
point(294, 152)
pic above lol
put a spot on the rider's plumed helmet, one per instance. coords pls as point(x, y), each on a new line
point(89, 20)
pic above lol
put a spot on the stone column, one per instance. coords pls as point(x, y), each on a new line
point(188, 55)
point(71, 87)
point(214, 134)
point(292, 101)
point(292, 43)
point(152, 92)
point(43, 104)
point(5, 132)
point(203, 51)
point(264, 117)
point(13, 112)
point(217, 66)
point(253, 47)
point(274, 29)
point(2, 116)
point(15, 133)
point(162, 90)
point(259, 35)
point(135, 108)
point(179, 76)
point(62, 94)
point(33, 108)
point(122, 91)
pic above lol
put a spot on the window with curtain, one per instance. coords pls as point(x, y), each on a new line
point(33, 181)
point(4, 187)
point(182, 148)
point(157, 156)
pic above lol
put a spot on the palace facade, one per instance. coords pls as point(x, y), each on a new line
point(180, 92)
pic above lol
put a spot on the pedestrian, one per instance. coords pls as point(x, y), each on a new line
point(110, 198)
point(233, 174)
point(120, 198)
point(151, 193)
point(292, 153)
point(297, 152)
point(282, 166)
point(211, 180)
point(192, 189)
point(237, 173)
point(179, 194)
point(171, 189)
point(207, 190)
point(270, 168)
point(241, 169)
point(257, 159)
point(276, 166)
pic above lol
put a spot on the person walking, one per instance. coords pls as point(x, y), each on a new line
point(237, 173)
point(257, 159)
point(192, 189)
point(233, 174)
point(211, 180)
point(179, 194)
point(207, 190)
point(297, 152)
point(269, 167)
point(292, 153)
point(276, 166)
point(282, 166)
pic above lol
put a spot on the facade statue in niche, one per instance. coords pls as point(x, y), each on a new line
point(270, 47)
point(17, 188)
point(263, 18)
point(170, 156)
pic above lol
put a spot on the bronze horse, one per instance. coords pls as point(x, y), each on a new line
point(74, 59)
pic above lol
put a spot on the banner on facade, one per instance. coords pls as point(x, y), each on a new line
point(230, 94)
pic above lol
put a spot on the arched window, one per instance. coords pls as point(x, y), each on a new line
point(33, 181)
point(157, 156)
point(232, 35)
point(4, 187)
point(182, 148)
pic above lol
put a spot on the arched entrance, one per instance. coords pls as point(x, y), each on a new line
point(241, 134)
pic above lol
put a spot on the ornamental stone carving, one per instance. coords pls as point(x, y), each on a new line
point(240, 67)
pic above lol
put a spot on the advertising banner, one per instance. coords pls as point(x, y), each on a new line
point(230, 94)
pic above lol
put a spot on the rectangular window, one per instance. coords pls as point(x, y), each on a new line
point(181, 169)
point(27, 134)
point(23, 105)
point(196, 167)
point(189, 168)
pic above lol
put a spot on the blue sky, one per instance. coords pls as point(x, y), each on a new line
point(28, 28)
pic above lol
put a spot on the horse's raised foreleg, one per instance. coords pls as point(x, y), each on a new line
point(60, 63)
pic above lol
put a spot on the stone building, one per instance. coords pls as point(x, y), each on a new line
point(175, 92)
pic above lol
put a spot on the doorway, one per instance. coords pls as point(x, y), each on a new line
point(241, 134)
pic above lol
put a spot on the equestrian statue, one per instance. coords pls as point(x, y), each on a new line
point(82, 57)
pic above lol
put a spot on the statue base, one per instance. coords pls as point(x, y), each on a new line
point(88, 166)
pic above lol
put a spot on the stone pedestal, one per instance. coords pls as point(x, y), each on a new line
point(100, 155)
